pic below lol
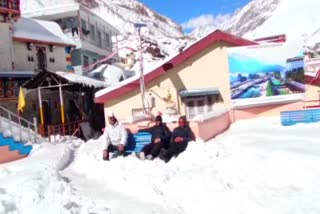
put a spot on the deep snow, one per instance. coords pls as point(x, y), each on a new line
point(257, 166)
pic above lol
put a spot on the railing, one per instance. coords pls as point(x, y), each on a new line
point(63, 129)
point(23, 125)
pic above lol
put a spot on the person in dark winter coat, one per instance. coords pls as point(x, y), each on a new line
point(179, 140)
point(160, 137)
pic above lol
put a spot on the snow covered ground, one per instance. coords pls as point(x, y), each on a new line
point(257, 166)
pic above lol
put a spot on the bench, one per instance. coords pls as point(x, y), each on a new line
point(137, 141)
point(289, 118)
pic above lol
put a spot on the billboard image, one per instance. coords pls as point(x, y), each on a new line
point(266, 73)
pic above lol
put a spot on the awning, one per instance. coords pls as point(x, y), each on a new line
point(16, 74)
point(199, 92)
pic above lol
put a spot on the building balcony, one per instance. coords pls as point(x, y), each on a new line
point(10, 6)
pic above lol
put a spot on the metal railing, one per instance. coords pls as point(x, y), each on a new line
point(71, 129)
point(22, 125)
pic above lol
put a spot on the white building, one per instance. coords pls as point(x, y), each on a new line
point(91, 33)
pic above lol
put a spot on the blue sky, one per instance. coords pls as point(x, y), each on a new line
point(190, 13)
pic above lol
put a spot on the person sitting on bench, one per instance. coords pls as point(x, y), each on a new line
point(115, 137)
point(179, 140)
point(160, 136)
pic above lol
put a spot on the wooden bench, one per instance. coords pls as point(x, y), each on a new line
point(137, 141)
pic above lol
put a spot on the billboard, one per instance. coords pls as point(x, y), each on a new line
point(265, 74)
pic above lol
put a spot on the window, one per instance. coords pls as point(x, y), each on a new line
point(85, 60)
point(94, 61)
point(107, 40)
point(83, 24)
point(200, 105)
point(191, 109)
point(3, 3)
point(99, 39)
point(92, 32)
point(209, 103)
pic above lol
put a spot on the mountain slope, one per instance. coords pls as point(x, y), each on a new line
point(244, 20)
point(260, 18)
point(295, 18)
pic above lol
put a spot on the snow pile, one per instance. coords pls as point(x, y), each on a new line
point(111, 74)
point(35, 184)
point(257, 166)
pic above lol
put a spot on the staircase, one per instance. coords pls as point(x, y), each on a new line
point(15, 132)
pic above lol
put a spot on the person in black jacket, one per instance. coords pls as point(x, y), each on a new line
point(160, 137)
point(179, 140)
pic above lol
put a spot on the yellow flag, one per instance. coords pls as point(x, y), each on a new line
point(22, 100)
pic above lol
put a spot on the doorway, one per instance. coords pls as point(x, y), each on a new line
point(42, 59)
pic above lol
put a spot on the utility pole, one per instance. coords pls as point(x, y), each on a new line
point(142, 83)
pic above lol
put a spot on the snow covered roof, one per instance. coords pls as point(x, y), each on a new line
point(50, 78)
point(123, 87)
point(38, 31)
point(75, 78)
point(111, 74)
point(53, 12)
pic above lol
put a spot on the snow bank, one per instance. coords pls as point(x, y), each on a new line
point(257, 166)
point(35, 184)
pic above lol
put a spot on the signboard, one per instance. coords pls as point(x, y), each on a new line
point(265, 74)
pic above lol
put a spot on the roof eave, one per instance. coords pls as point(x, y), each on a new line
point(22, 39)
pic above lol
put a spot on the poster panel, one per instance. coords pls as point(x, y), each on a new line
point(266, 74)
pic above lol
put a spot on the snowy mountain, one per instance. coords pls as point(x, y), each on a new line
point(244, 20)
point(261, 18)
point(161, 37)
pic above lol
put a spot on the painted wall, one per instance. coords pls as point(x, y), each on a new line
point(312, 92)
point(212, 127)
point(264, 111)
point(210, 69)
point(76, 57)
point(7, 156)
point(21, 54)
point(5, 49)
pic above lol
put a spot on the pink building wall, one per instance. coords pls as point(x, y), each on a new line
point(7, 155)
point(264, 111)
